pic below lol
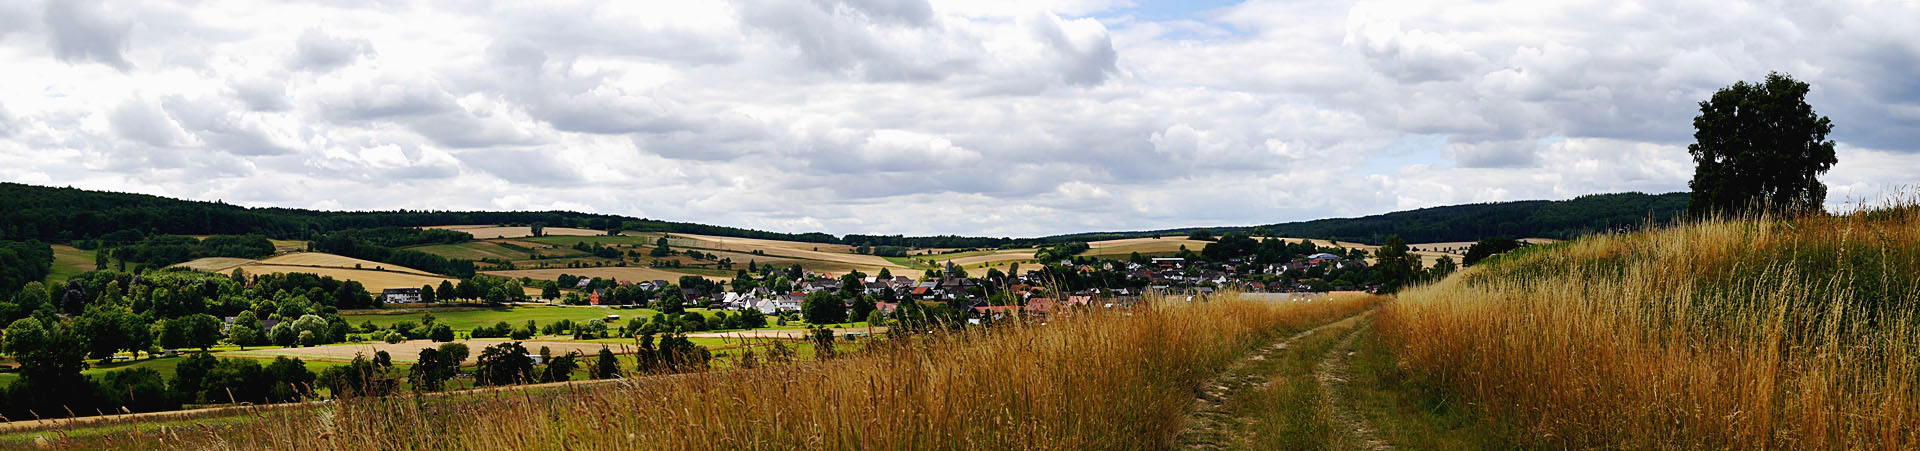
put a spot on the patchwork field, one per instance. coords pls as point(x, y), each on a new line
point(373, 280)
point(632, 273)
point(488, 232)
point(828, 255)
point(1123, 247)
point(329, 265)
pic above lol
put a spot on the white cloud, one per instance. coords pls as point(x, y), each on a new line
point(924, 116)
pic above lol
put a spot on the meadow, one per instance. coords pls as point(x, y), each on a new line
point(1097, 380)
point(1743, 333)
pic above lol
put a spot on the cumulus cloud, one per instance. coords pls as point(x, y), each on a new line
point(924, 116)
point(80, 30)
point(317, 51)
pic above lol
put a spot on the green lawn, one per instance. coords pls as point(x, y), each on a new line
point(68, 261)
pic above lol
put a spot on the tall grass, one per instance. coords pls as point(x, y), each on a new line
point(1099, 380)
point(1739, 333)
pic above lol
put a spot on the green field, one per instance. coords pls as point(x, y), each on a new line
point(68, 261)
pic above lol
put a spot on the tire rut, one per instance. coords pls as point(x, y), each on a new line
point(1207, 427)
point(1333, 373)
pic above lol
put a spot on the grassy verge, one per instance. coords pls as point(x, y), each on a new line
point(1090, 381)
point(1724, 334)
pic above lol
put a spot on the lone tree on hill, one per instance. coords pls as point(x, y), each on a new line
point(1759, 147)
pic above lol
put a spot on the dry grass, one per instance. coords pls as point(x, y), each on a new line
point(1744, 334)
point(1103, 380)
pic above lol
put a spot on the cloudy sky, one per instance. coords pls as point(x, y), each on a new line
point(977, 117)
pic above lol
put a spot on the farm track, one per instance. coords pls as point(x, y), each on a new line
point(1333, 374)
point(1211, 425)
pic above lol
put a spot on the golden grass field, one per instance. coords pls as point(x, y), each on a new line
point(630, 273)
point(1093, 381)
point(482, 232)
point(1725, 334)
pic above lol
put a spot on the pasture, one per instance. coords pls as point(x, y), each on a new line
point(69, 261)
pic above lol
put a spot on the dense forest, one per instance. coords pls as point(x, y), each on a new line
point(1565, 219)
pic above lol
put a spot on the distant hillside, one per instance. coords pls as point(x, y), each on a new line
point(65, 214)
point(1565, 219)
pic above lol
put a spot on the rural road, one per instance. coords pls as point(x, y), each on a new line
point(1333, 375)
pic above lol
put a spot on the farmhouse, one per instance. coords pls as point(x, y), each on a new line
point(400, 295)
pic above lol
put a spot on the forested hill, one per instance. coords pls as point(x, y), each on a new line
point(1565, 219)
point(64, 214)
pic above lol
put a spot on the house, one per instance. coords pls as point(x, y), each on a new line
point(583, 283)
point(922, 292)
point(1322, 257)
point(886, 308)
point(1170, 262)
point(877, 287)
point(996, 312)
point(400, 295)
point(594, 298)
point(1040, 306)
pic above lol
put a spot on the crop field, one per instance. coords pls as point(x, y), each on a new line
point(373, 280)
point(563, 241)
point(834, 255)
point(981, 256)
point(334, 261)
point(215, 264)
point(632, 273)
point(68, 261)
point(474, 250)
point(1123, 247)
point(488, 232)
point(466, 319)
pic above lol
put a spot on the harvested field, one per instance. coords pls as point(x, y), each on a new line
point(373, 280)
point(483, 232)
point(215, 264)
point(335, 261)
point(868, 263)
point(409, 351)
point(1009, 255)
point(754, 243)
point(631, 273)
point(474, 250)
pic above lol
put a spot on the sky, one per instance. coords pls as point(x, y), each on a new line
point(973, 117)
